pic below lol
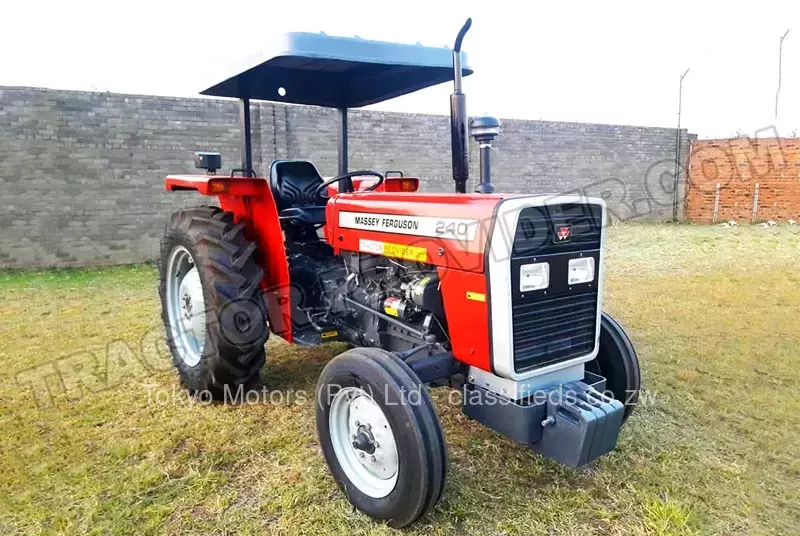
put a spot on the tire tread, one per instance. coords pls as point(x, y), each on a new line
point(426, 427)
point(227, 263)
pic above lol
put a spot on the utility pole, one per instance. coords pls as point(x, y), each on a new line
point(780, 62)
point(675, 199)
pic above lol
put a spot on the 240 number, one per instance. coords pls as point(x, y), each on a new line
point(459, 230)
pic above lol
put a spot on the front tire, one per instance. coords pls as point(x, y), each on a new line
point(211, 301)
point(618, 363)
point(380, 435)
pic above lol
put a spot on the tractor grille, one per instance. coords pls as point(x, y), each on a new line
point(536, 228)
point(555, 329)
point(560, 323)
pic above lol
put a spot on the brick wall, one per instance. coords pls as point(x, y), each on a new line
point(738, 165)
point(81, 173)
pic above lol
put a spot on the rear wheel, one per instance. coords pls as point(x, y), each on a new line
point(212, 306)
point(380, 435)
point(618, 363)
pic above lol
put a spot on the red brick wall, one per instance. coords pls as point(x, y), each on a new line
point(737, 165)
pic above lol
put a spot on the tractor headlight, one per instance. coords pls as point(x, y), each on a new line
point(534, 276)
point(581, 270)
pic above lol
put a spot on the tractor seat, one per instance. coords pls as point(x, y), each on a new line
point(294, 186)
point(309, 215)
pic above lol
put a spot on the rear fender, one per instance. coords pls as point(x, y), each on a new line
point(216, 184)
point(251, 202)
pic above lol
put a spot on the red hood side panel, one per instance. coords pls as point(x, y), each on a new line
point(451, 229)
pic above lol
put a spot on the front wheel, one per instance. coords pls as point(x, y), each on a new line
point(618, 363)
point(380, 435)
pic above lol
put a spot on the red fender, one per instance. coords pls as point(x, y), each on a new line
point(251, 202)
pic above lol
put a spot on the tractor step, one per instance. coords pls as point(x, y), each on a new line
point(572, 423)
point(312, 336)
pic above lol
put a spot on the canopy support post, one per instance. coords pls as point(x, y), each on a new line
point(347, 184)
point(247, 142)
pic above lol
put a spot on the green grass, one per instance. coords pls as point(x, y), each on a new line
point(715, 448)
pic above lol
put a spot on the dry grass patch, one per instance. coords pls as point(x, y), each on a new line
point(87, 445)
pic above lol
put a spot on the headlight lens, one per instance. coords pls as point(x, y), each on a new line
point(534, 276)
point(581, 270)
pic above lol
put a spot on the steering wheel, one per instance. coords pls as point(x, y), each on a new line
point(324, 186)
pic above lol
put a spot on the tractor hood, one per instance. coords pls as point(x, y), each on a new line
point(440, 229)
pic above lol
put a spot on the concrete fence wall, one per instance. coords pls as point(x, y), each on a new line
point(81, 173)
point(726, 173)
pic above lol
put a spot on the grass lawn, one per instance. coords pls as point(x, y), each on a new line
point(714, 448)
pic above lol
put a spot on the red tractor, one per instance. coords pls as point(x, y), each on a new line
point(495, 294)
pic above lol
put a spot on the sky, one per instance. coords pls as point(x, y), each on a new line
point(598, 62)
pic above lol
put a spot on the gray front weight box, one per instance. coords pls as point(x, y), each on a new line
point(573, 423)
point(518, 420)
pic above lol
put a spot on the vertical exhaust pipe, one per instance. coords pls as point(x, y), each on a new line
point(458, 119)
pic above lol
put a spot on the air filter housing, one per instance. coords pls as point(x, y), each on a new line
point(211, 162)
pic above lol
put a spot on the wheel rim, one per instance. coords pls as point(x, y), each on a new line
point(186, 306)
point(363, 442)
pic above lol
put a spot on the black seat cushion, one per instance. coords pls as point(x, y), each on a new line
point(310, 215)
point(294, 184)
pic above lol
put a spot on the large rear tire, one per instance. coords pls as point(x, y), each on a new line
point(618, 363)
point(380, 435)
point(211, 301)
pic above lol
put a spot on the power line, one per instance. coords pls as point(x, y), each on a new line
point(780, 62)
point(678, 150)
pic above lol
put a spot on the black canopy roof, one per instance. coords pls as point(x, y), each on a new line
point(337, 72)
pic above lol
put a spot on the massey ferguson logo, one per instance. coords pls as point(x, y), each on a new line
point(563, 233)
